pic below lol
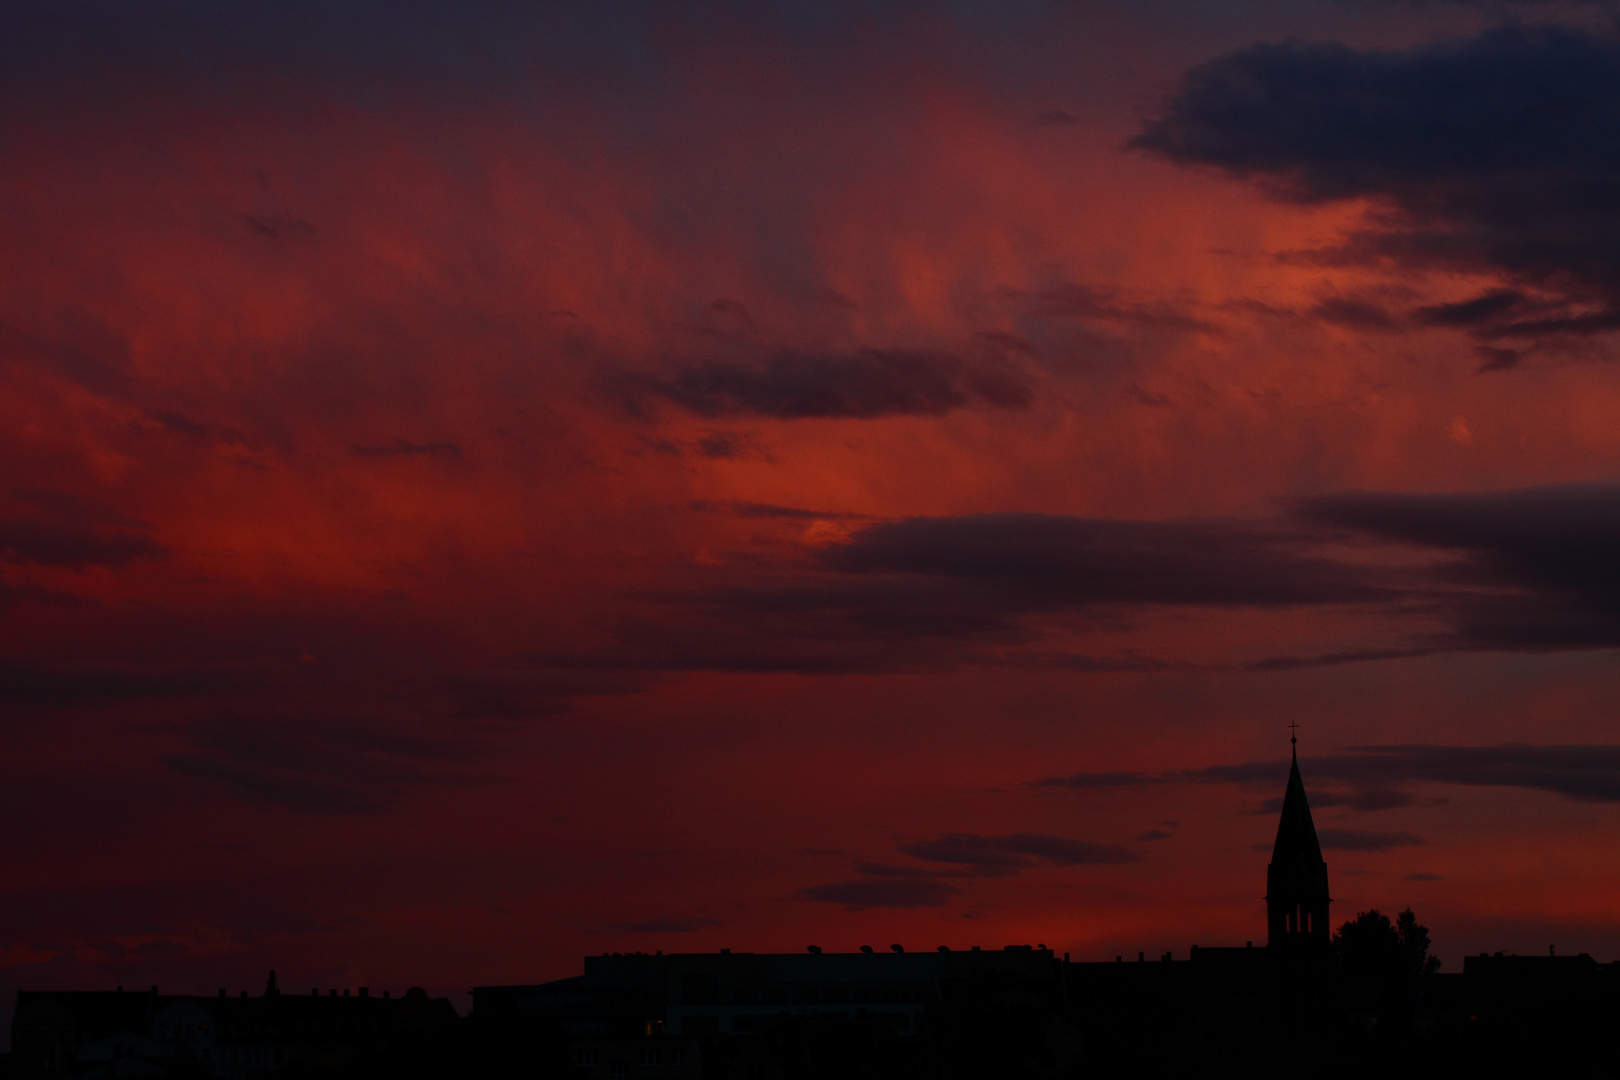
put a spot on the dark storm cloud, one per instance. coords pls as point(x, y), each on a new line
point(76, 345)
point(1126, 660)
point(1336, 659)
point(877, 869)
point(1539, 561)
point(1335, 122)
point(525, 693)
point(960, 855)
point(997, 856)
point(1050, 561)
point(1469, 313)
point(1364, 840)
point(1499, 153)
point(57, 529)
point(1516, 570)
point(881, 892)
point(1498, 359)
point(256, 783)
point(438, 448)
point(329, 767)
point(1360, 795)
point(732, 446)
point(1585, 773)
point(178, 423)
point(865, 385)
point(1355, 314)
point(12, 594)
point(871, 620)
point(37, 684)
point(64, 544)
point(1551, 537)
point(813, 622)
point(274, 227)
point(1100, 303)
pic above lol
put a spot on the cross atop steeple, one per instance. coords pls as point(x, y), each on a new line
point(1293, 737)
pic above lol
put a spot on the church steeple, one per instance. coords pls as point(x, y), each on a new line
point(1296, 881)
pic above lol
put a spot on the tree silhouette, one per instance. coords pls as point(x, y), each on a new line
point(1414, 941)
point(1380, 963)
point(1370, 944)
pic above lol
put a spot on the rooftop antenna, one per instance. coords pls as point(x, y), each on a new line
point(1293, 738)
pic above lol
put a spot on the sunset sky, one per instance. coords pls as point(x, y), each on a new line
point(483, 484)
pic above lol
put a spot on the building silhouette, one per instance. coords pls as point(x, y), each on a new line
point(1297, 879)
point(136, 1034)
point(1303, 1004)
point(1295, 1006)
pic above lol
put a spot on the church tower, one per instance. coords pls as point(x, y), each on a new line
point(1296, 881)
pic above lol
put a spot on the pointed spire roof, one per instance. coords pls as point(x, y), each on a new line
point(1296, 832)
